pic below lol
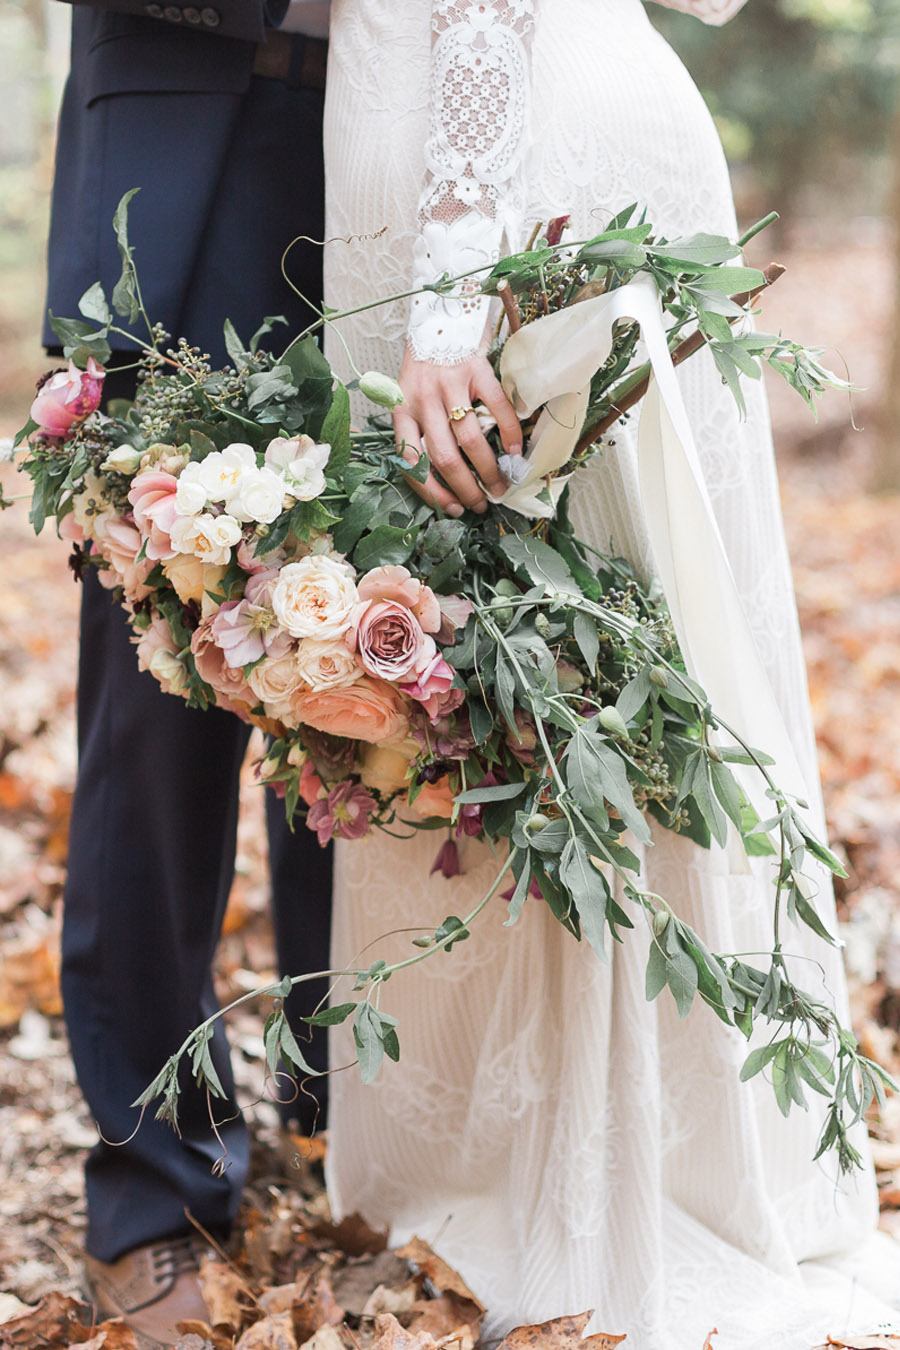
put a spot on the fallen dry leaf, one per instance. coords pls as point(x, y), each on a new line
point(390, 1335)
point(353, 1236)
point(388, 1299)
point(272, 1333)
point(112, 1335)
point(315, 1307)
point(10, 1307)
point(886, 1341)
point(442, 1276)
point(330, 1338)
point(355, 1282)
point(55, 1321)
point(446, 1316)
point(203, 1335)
point(225, 1294)
point(562, 1333)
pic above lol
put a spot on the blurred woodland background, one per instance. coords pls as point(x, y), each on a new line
point(805, 93)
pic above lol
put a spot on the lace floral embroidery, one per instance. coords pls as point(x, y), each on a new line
point(480, 95)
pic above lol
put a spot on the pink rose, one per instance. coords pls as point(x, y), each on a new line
point(399, 585)
point(231, 689)
point(432, 685)
point(389, 639)
point(368, 710)
point(68, 397)
point(152, 497)
point(119, 543)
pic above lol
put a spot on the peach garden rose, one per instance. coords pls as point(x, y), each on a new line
point(368, 710)
point(315, 597)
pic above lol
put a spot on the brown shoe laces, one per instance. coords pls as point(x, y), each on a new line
point(170, 1259)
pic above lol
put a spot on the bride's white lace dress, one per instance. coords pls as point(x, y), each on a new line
point(564, 1143)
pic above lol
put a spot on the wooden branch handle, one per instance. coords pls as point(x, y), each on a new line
point(681, 353)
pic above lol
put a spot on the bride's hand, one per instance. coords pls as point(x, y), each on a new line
point(423, 423)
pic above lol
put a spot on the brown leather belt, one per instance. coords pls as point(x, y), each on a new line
point(299, 61)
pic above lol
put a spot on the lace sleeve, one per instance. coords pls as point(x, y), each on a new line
point(715, 12)
point(471, 199)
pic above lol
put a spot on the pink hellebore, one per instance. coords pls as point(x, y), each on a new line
point(471, 816)
point(246, 632)
point(343, 814)
point(68, 397)
point(152, 498)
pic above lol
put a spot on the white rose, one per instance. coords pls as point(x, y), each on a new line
point(259, 496)
point(124, 459)
point(191, 496)
point(274, 681)
point(219, 472)
point(315, 597)
point(304, 480)
point(169, 669)
point(327, 665)
point(301, 461)
point(209, 538)
point(281, 452)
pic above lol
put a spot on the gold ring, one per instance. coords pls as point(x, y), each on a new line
point(457, 414)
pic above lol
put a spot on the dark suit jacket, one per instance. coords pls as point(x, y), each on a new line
point(170, 105)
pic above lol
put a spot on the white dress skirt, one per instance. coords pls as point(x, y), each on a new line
point(564, 1143)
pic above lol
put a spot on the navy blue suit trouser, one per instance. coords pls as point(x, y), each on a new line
point(156, 803)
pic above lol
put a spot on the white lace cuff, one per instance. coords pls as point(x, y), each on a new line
point(447, 328)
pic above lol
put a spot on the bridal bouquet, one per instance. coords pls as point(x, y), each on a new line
point(490, 676)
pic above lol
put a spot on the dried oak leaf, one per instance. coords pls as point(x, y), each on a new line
point(443, 1277)
point(55, 1321)
point(447, 1316)
point(225, 1294)
point(201, 1336)
point(387, 1298)
point(112, 1335)
point(562, 1333)
point(352, 1236)
point(272, 1333)
point(316, 1306)
point(390, 1335)
point(330, 1338)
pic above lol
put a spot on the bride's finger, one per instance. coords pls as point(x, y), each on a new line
point(487, 388)
point(409, 446)
point(446, 459)
point(471, 440)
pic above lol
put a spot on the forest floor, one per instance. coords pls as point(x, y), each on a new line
point(847, 570)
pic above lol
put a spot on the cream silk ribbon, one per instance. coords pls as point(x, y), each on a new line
point(550, 362)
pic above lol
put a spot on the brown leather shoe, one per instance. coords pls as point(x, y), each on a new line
point(152, 1288)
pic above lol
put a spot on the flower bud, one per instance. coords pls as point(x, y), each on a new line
point(381, 389)
point(660, 922)
point(124, 459)
point(542, 624)
point(534, 824)
point(612, 721)
point(659, 677)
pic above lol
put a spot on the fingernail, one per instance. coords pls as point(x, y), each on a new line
point(480, 508)
point(455, 510)
point(516, 449)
